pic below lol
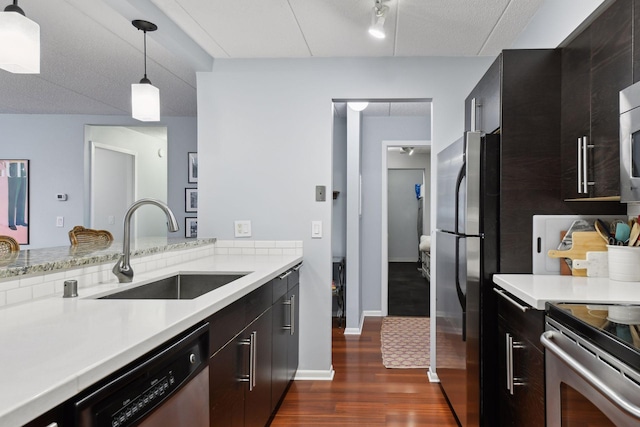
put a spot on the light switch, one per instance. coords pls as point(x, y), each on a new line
point(316, 229)
point(242, 228)
point(59, 221)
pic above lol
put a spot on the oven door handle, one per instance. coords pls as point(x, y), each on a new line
point(547, 340)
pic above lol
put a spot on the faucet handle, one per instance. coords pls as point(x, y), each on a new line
point(123, 271)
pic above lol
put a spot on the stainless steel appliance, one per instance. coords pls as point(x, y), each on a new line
point(467, 255)
point(592, 361)
point(167, 387)
point(630, 144)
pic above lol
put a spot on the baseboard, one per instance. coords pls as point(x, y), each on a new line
point(314, 375)
point(433, 377)
point(372, 313)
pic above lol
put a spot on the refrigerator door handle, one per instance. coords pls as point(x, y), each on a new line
point(462, 298)
point(461, 174)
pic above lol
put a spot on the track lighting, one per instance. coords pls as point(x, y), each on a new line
point(378, 16)
point(20, 41)
point(145, 98)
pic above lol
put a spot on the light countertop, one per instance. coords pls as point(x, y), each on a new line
point(53, 348)
point(536, 290)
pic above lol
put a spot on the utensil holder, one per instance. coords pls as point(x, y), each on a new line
point(624, 263)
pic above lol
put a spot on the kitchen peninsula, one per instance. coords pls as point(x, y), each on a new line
point(56, 347)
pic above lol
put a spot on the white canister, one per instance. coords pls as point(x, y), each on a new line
point(624, 263)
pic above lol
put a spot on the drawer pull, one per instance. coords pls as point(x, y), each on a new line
point(504, 295)
point(283, 275)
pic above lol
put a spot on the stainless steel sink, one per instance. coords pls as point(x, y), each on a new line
point(180, 286)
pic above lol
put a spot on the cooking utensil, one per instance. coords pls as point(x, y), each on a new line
point(582, 242)
point(596, 264)
point(635, 233)
point(603, 230)
point(622, 232)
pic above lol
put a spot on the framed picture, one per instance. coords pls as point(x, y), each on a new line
point(191, 200)
point(14, 199)
point(191, 227)
point(193, 168)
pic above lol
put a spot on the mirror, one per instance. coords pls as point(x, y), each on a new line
point(124, 164)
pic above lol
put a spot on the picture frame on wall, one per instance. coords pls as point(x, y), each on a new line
point(193, 168)
point(190, 227)
point(14, 199)
point(191, 200)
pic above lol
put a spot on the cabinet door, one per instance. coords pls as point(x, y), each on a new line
point(53, 417)
point(520, 381)
point(279, 372)
point(226, 392)
point(596, 66)
point(258, 396)
point(293, 332)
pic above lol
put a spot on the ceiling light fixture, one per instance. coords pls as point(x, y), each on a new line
point(408, 150)
point(358, 106)
point(20, 47)
point(378, 16)
point(145, 98)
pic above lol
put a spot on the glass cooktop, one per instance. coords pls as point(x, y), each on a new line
point(614, 328)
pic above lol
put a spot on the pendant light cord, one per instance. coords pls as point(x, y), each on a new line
point(145, 54)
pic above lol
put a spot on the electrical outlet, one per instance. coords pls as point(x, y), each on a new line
point(242, 228)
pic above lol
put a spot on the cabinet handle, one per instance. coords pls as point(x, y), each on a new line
point(504, 295)
point(291, 327)
point(53, 425)
point(297, 267)
point(512, 380)
point(283, 275)
point(585, 159)
point(251, 342)
point(579, 163)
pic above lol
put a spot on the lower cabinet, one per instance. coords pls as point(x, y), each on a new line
point(251, 365)
point(53, 418)
point(521, 396)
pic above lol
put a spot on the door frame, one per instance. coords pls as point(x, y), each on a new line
point(384, 235)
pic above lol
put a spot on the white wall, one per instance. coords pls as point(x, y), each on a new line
point(55, 146)
point(264, 143)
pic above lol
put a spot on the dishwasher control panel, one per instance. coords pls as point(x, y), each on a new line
point(126, 399)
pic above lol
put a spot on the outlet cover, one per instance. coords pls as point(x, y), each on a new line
point(242, 228)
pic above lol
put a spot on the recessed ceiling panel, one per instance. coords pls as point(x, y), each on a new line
point(446, 28)
point(249, 28)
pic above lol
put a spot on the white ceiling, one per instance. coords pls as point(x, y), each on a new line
point(90, 52)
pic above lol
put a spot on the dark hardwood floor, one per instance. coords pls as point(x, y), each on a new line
point(408, 290)
point(363, 392)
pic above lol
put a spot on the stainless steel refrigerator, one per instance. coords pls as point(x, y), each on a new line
point(468, 196)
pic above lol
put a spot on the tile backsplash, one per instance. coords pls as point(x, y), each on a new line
point(29, 287)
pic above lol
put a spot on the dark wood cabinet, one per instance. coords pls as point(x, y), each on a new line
point(254, 353)
point(596, 66)
point(521, 396)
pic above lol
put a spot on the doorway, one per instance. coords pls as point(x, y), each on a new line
point(407, 288)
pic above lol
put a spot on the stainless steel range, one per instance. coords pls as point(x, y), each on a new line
point(592, 362)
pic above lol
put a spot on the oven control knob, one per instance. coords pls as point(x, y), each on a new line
point(192, 358)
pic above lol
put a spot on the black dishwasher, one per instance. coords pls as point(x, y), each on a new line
point(168, 386)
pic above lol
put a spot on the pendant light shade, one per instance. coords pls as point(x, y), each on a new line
point(145, 98)
point(19, 42)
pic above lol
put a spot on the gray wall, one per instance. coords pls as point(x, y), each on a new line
point(265, 141)
point(54, 144)
point(339, 211)
point(403, 214)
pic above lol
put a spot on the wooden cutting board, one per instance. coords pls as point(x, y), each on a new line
point(582, 242)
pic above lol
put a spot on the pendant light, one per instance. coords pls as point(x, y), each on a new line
point(19, 41)
point(145, 98)
point(378, 16)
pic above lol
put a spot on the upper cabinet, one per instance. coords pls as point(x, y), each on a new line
point(596, 66)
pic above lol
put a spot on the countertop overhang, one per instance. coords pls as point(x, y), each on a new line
point(54, 348)
point(536, 289)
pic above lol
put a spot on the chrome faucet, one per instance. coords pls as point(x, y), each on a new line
point(122, 269)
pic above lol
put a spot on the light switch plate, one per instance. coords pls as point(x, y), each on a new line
point(59, 221)
point(316, 229)
point(242, 228)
